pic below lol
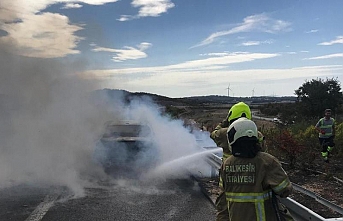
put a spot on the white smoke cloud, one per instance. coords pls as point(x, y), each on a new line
point(180, 148)
point(48, 123)
point(50, 126)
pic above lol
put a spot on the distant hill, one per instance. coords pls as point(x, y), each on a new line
point(251, 100)
point(128, 96)
point(197, 100)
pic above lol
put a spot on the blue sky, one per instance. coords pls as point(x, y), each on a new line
point(181, 48)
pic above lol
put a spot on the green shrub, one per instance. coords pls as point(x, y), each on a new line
point(298, 143)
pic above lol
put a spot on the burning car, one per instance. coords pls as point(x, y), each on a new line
point(126, 148)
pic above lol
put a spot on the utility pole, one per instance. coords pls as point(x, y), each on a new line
point(253, 92)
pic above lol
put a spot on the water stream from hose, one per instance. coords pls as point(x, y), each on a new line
point(183, 165)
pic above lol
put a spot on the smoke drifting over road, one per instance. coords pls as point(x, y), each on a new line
point(49, 125)
point(178, 146)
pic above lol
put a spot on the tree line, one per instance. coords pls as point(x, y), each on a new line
point(313, 97)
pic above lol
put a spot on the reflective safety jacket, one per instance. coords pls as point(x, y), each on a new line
point(327, 125)
point(247, 185)
point(219, 136)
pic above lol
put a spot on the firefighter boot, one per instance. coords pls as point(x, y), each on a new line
point(325, 157)
point(329, 151)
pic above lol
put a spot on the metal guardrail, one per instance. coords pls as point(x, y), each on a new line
point(299, 211)
point(318, 198)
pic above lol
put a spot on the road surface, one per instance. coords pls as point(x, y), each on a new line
point(122, 200)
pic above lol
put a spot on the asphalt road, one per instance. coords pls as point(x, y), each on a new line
point(127, 200)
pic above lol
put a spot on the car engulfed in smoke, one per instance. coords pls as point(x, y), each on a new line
point(126, 149)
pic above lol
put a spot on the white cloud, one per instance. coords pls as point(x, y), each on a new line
point(71, 5)
point(198, 77)
point(126, 18)
point(45, 35)
point(231, 58)
point(254, 23)
point(11, 10)
point(194, 66)
point(202, 80)
point(91, 2)
point(148, 8)
point(152, 7)
point(251, 43)
point(35, 34)
point(338, 40)
point(219, 54)
point(128, 53)
point(338, 55)
point(144, 45)
point(311, 31)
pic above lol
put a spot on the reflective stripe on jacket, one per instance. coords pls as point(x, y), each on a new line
point(247, 185)
point(327, 126)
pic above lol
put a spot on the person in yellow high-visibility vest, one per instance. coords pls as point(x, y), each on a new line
point(326, 128)
point(219, 134)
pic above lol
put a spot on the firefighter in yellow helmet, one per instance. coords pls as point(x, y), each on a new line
point(250, 179)
point(219, 135)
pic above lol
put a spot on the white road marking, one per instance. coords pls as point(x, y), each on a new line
point(42, 208)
